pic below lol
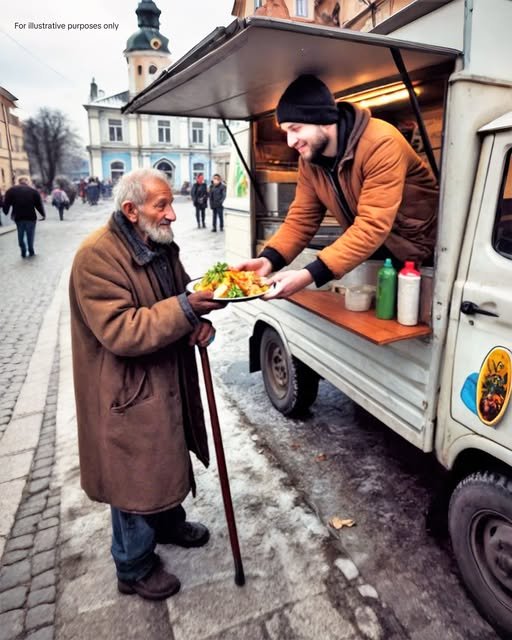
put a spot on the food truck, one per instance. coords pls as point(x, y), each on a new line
point(440, 72)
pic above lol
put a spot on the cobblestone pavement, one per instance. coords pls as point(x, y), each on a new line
point(28, 576)
point(28, 573)
point(27, 286)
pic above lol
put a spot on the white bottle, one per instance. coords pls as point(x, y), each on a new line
point(408, 295)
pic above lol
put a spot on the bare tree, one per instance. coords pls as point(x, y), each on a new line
point(51, 143)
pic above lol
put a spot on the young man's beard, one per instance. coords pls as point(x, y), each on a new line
point(317, 147)
point(157, 233)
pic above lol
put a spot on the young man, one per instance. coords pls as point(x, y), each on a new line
point(365, 173)
point(25, 202)
point(138, 403)
point(217, 196)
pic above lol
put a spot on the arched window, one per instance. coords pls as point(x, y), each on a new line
point(167, 167)
point(116, 170)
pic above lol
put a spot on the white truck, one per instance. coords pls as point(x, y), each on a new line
point(444, 78)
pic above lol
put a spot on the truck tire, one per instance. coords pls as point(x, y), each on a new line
point(291, 385)
point(480, 523)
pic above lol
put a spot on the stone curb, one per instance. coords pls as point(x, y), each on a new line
point(7, 229)
point(22, 432)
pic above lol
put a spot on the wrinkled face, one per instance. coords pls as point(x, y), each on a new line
point(157, 214)
point(310, 140)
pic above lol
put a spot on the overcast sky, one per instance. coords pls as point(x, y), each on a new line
point(54, 67)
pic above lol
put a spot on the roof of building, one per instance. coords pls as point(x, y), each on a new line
point(148, 37)
point(8, 95)
point(116, 101)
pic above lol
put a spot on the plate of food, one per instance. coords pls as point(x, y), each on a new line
point(230, 286)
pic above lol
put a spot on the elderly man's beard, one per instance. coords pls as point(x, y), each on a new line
point(161, 234)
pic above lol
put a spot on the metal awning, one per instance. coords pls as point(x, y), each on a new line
point(240, 71)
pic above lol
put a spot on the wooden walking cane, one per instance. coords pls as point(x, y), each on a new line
point(223, 472)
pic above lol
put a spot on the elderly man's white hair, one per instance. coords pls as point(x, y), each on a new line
point(131, 186)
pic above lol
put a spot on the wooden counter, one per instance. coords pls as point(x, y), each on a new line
point(331, 307)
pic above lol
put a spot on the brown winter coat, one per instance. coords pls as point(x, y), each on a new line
point(137, 396)
point(391, 191)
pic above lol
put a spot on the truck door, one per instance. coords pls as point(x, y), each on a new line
point(483, 351)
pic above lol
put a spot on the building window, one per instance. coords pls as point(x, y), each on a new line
point(197, 133)
point(258, 3)
point(222, 135)
point(197, 168)
point(302, 8)
point(152, 69)
point(139, 69)
point(166, 167)
point(164, 130)
point(116, 170)
point(115, 130)
point(502, 233)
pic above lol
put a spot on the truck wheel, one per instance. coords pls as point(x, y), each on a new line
point(291, 385)
point(480, 522)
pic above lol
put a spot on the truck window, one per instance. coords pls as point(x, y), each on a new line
point(502, 233)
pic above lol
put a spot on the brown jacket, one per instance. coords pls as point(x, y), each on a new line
point(390, 190)
point(136, 388)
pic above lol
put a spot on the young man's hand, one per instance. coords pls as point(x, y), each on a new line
point(262, 266)
point(286, 283)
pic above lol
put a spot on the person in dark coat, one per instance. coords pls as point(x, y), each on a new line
point(139, 412)
point(25, 202)
point(217, 196)
point(199, 196)
point(93, 191)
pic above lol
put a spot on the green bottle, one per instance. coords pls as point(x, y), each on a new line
point(386, 291)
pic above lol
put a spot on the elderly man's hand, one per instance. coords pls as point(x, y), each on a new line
point(202, 302)
point(202, 336)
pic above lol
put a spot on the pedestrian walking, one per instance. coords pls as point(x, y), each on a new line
point(199, 196)
point(139, 412)
point(24, 202)
point(217, 196)
point(383, 195)
point(60, 201)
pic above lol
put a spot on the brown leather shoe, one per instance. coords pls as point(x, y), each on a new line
point(157, 585)
point(185, 534)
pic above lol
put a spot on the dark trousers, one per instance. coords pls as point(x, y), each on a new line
point(200, 215)
point(26, 229)
point(218, 214)
point(134, 540)
point(61, 211)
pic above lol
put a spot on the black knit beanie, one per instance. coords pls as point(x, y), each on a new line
point(307, 99)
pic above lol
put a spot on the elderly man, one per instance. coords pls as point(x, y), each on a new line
point(138, 406)
point(25, 202)
point(365, 173)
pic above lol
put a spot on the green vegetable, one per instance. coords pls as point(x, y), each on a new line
point(235, 292)
point(216, 273)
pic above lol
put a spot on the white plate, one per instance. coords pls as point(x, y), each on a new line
point(190, 289)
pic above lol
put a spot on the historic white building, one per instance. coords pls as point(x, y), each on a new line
point(182, 147)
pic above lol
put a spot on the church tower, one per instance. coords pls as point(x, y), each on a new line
point(146, 50)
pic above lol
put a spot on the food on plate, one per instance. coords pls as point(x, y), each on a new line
point(226, 283)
